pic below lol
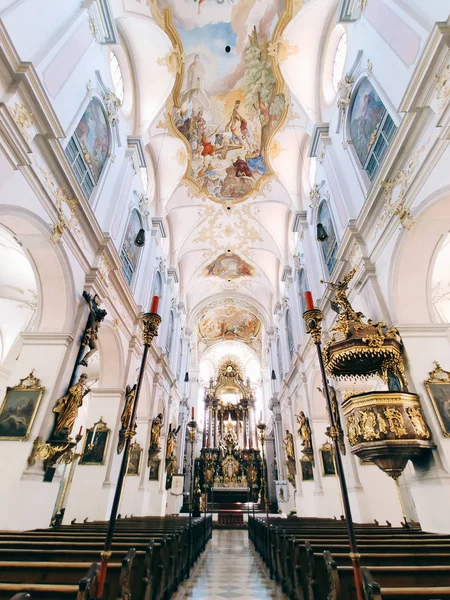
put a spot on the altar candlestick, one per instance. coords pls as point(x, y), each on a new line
point(309, 301)
point(154, 304)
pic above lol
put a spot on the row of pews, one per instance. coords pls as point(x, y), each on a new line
point(310, 559)
point(150, 557)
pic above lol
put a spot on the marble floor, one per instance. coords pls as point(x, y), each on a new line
point(229, 568)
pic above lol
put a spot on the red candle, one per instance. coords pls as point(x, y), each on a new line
point(207, 442)
point(309, 301)
point(154, 304)
point(192, 411)
point(81, 429)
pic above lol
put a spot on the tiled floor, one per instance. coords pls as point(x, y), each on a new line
point(229, 568)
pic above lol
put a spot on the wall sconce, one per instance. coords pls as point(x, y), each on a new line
point(273, 375)
point(139, 240)
point(322, 234)
point(186, 378)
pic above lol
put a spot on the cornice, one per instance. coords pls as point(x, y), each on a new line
point(47, 338)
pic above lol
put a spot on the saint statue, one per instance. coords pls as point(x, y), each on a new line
point(304, 430)
point(157, 424)
point(126, 416)
point(90, 337)
point(67, 407)
point(172, 441)
point(289, 445)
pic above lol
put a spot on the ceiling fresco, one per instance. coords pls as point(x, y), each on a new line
point(229, 266)
point(229, 98)
point(230, 322)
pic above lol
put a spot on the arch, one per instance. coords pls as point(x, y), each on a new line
point(289, 333)
point(157, 287)
point(416, 253)
point(328, 246)
point(280, 358)
point(130, 254)
point(170, 333)
point(18, 292)
point(303, 286)
point(52, 270)
point(369, 126)
point(111, 358)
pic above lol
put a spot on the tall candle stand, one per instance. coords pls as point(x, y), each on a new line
point(192, 438)
point(265, 496)
point(313, 321)
point(150, 323)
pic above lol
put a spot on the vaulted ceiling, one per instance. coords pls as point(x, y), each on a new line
point(226, 97)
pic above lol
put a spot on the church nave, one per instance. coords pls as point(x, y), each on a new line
point(229, 568)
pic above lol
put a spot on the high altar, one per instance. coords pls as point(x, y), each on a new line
point(230, 464)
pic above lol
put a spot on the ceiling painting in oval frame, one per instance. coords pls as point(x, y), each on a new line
point(229, 98)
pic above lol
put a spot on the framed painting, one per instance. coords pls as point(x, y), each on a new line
point(19, 408)
point(95, 444)
point(134, 459)
point(327, 460)
point(307, 469)
point(438, 388)
point(154, 469)
point(93, 135)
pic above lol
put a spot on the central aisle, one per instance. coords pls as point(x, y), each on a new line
point(230, 568)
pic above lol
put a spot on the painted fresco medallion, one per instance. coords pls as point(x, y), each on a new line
point(228, 323)
point(229, 96)
point(229, 266)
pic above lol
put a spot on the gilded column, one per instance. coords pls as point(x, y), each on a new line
point(210, 424)
point(245, 427)
point(250, 427)
point(204, 426)
point(215, 426)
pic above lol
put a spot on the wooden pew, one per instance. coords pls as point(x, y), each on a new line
point(293, 549)
point(50, 563)
point(392, 582)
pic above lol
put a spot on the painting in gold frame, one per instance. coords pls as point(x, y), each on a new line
point(327, 460)
point(438, 388)
point(96, 444)
point(134, 459)
point(19, 408)
point(153, 474)
point(306, 469)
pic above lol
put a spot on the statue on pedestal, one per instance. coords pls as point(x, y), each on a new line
point(304, 430)
point(126, 416)
point(155, 436)
point(67, 407)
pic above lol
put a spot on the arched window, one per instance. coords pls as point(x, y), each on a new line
point(129, 253)
point(328, 245)
point(157, 287)
point(170, 333)
point(371, 127)
point(89, 146)
point(303, 287)
point(289, 333)
point(280, 358)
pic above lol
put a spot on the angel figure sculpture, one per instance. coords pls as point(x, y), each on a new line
point(90, 337)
